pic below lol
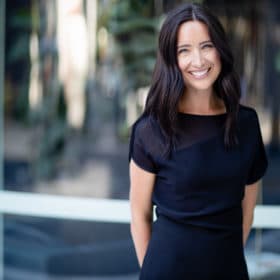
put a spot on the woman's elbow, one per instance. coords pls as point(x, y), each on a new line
point(248, 218)
point(140, 219)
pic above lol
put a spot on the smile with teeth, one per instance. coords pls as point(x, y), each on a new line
point(200, 74)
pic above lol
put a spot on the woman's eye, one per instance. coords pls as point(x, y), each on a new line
point(207, 46)
point(181, 51)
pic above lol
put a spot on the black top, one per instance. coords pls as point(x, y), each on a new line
point(202, 183)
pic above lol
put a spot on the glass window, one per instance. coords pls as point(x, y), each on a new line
point(76, 75)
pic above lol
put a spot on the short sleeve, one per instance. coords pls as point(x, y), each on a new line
point(138, 147)
point(259, 162)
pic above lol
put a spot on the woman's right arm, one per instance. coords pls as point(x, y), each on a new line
point(140, 196)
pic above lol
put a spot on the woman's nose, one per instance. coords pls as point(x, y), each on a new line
point(197, 59)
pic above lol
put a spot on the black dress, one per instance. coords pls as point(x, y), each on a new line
point(198, 193)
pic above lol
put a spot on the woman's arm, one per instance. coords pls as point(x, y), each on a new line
point(248, 206)
point(141, 188)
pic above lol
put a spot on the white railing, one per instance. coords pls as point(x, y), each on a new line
point(64, 207)
point(118, 211)
point(96, 209)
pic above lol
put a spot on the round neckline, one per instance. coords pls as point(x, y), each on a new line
point(199, 115)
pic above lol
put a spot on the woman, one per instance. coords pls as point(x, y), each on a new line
point(196, 154)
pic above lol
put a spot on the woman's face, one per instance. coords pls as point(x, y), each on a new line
point(198, 59)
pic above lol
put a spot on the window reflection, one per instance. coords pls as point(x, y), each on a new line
point(76, 77)
point(36, 247)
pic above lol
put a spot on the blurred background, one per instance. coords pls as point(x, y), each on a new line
point(74, 77)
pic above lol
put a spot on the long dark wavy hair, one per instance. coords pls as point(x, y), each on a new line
point(168, 86)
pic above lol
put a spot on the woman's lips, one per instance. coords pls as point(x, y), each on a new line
point(200, 74)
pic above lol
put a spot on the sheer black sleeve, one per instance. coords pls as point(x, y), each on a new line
point(139, 149)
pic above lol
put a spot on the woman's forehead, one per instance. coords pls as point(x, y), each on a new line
point(191, 32)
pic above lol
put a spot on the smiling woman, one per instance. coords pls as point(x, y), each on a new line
point(193, 157)
point(198, 59)
point(199, 63)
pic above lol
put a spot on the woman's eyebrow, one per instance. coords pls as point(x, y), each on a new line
point(188, 45)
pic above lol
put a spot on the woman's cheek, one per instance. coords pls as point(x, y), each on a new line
point(182, 64)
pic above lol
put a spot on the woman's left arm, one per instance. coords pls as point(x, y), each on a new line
point(248, 206)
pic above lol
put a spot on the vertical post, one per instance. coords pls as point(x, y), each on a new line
point(91, 15)
point(2, 65)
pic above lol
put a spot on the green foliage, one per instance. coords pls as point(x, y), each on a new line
point(50, 147)
point(19, 50)
point(23, 18)
point(135, 28)
point(17, 61)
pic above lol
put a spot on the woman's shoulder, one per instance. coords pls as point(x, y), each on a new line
point(249, 120)
point(247, 113)
point(147, 131)
point(146, 125)
point(146, 139)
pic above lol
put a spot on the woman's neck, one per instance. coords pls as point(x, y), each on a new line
point(201, 103)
